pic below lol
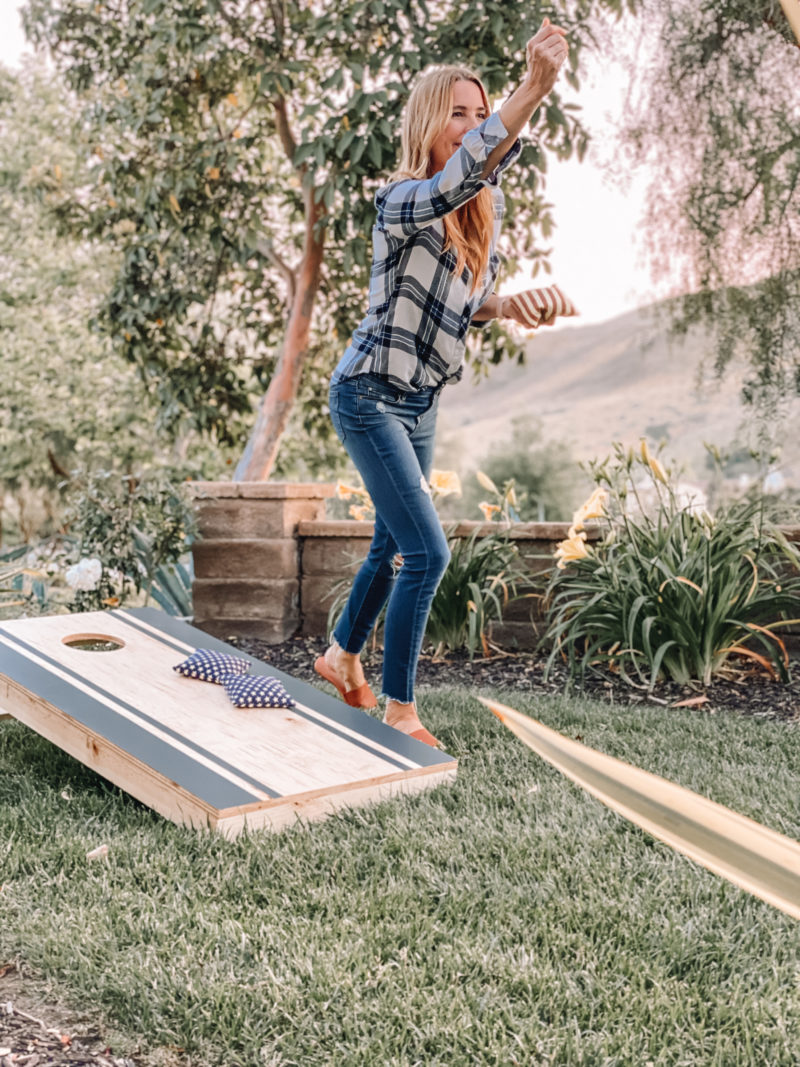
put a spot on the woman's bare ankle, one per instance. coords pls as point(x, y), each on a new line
point(346, 664)
point(401, 716)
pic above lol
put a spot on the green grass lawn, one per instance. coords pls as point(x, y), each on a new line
point(505, 919)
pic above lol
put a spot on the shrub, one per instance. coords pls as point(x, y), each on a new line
point(134, 532)
point(125, 537)
point(669, 591)
point(548, 483)
point(483, 575)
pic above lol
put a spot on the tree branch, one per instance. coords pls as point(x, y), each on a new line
point(267, 249)
point(284, 130)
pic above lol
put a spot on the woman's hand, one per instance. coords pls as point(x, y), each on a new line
point(545, 53)
point(535, 307)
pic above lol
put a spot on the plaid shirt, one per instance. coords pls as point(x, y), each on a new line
point(415, 329)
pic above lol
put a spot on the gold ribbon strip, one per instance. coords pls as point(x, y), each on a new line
point(763, 862)
point(791, 8)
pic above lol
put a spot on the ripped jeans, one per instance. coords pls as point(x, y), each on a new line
point(389, 436)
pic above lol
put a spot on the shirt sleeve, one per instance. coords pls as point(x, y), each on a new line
point(410, 204)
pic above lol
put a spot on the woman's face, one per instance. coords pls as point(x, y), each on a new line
point(467, 112)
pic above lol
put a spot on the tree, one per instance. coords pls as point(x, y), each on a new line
point(67, 399)
point(718, 120)
point(237, 149)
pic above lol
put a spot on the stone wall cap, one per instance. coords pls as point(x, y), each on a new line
point(262, 490)
point(335, 528)
point(519, 531)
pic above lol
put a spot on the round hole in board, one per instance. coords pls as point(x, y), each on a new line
point(93, 642)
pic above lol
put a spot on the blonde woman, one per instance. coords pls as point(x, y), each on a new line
point(433, 274)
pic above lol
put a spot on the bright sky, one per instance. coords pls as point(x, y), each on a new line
point(597, 255)
point(596, 252)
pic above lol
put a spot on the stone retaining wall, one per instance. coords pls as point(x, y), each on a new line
point(247, 558)
point(331, 551)
point(267, 560)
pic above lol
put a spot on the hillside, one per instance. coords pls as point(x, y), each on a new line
point(616, 380)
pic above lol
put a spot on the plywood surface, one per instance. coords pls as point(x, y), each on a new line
point(159, 729)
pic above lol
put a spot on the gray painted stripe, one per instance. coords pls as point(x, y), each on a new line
point(339, 713)
point(199, 781)
point(138, 713)
point(124, 616)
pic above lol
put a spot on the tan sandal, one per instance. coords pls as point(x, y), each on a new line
point(420, 734)
point(360, 697)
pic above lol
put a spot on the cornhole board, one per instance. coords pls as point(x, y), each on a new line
point(179, 745)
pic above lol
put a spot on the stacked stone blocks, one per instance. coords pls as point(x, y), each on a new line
point(247, 558)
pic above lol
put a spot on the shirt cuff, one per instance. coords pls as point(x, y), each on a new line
point(508, 158)
point(481, 141)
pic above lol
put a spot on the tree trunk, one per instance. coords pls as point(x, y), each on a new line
point(262, 447)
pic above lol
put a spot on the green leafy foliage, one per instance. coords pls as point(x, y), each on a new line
point(670, 591)
point(127, 540)
point(547, 480)
point(17, 590)
point(68, 400)
point(483, 575)
point(138, 530)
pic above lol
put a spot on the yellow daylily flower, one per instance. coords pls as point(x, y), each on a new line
point(489, 510)
point(658, 470)
point(486, 482)
point(343, 491)
point(445, 482)
point(593, 508)
point(359, 511)
point(570, 550)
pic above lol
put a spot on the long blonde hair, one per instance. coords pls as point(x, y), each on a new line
point(468, 229)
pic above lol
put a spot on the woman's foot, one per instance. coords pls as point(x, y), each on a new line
point(344, 671)
point(404, 717)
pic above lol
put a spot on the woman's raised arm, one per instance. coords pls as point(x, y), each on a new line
point(546, 53)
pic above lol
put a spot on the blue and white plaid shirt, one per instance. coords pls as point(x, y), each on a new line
point(415, 329)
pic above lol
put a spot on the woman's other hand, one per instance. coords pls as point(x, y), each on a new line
point(536, 307)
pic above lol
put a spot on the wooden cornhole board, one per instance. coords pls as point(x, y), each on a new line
point(179, 745)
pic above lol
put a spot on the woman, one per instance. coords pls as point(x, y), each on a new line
point(433, 273)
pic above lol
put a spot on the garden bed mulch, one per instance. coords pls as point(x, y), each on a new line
point(43, 1036)
point(745, 692)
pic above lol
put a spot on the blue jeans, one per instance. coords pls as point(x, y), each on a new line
point(389, 436)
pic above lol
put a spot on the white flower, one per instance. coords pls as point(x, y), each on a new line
point(123, 227)
point(84, 575)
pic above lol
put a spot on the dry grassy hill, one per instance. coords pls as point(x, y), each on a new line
point(617, 380)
